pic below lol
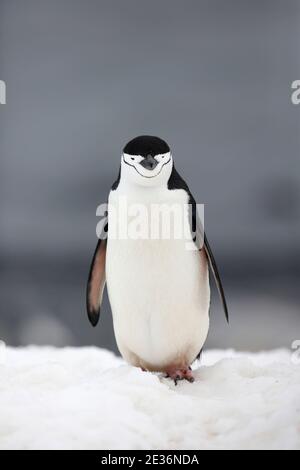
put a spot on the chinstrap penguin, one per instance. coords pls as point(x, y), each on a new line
point(159, 291)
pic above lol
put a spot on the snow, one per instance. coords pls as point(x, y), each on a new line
point(86, 398)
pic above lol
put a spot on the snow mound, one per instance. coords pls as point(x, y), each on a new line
point(89, 399)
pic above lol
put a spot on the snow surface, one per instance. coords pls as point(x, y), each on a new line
point(89, 399)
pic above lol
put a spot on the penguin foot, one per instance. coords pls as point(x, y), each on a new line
point(180, 374)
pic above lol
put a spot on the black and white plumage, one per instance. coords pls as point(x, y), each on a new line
point(159, 291)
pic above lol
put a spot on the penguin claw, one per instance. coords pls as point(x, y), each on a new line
point(180, 374)
point(177, 378)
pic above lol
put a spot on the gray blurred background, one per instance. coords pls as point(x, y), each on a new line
point(211, 77)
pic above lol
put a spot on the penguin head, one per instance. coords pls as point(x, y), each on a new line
point(146, 161)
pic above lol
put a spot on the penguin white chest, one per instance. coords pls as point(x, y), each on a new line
point(158, 289)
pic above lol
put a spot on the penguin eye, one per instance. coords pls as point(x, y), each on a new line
point(132, 158)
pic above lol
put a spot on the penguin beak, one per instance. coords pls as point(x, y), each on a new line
point(149, 162)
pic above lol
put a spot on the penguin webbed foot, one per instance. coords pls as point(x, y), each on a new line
point(180, 374)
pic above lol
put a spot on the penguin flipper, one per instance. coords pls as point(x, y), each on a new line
point(96, 283)
point(215, 271)
point(202, 243)
point(177, 182)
